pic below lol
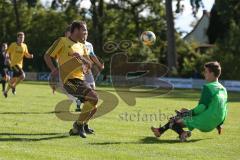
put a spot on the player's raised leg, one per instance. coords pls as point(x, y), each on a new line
point(175, 125)
point(80, 89)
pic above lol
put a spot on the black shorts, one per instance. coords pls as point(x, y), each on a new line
point(17, 71)
point(77, 88)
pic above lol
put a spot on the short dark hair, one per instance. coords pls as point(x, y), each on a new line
point(214, 67)
point(19, 34)
point(77, 24)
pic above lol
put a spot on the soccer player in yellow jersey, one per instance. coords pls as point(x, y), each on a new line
point(17, 51)
point(73, 63)
point(53, 83)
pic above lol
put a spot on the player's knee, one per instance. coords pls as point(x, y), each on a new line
point(95, 108)
point(22, 77)
point(92, 98)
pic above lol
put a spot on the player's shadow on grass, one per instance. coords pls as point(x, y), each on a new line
point(29, 134)
point(20, 139)
point(150, 140)
point(52, 112)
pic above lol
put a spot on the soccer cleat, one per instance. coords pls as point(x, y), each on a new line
point(82, 133)
point(156, 131)
point(71, 133)
point(74, 131)
point(14, 91)
point(5, 94)
point(183, 137)
point(88, 130)
point(77, 130)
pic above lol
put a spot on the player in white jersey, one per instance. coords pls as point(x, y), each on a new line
point(89, 78)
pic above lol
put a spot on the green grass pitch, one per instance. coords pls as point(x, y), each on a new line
point(29, 130)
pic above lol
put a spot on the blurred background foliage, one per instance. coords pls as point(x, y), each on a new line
point(117, 20)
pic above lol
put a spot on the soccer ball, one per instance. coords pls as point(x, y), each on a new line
point(148, 38)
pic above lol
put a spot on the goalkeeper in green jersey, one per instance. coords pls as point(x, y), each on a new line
point(210, 112)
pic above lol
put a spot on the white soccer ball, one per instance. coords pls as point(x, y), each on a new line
point(148, 38)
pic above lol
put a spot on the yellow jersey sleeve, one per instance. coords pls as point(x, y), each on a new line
point(10, 49)
point(26, 53)
point(56, 48)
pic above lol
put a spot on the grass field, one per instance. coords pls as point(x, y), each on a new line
point(30, 130)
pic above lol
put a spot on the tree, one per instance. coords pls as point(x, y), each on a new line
point(32, 3)
point(224, 31)
point(114, 20)
point(171, 47)
point(97, 10)
point(17, 16)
